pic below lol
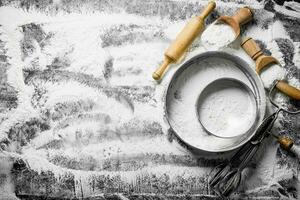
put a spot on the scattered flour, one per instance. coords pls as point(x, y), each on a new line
point(286, 11)
point(275, 30)
point(271, 74)
point(273, 47)
point(294, 82)
point(174, 29)
point(217, 36)
point(296, 150)
point(278, 30)
point(296, 59)
point(74, 26)
point(6, 189)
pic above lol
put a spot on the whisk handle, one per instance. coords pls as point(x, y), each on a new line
point(249, 156)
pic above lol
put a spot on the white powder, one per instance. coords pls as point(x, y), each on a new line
point(296, 150)
point(278, 30)
point(270, 74)
point(217, 35)
point(294, 82)
point(227, 109)
point(273, 47)
point(174, 29)
point(286, 11)
point(130, 57)
point(296, 59)
point(182, 111)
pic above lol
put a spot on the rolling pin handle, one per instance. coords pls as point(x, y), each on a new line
point(209, 8)
point(288, 90)
point(183, 40)
point(162, 68)
point(243, 15)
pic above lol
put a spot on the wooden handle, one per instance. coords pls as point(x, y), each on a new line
point(286, 143)
point(243, 15)
point(209, 8)
point(288, 90)
point(161, 69)
point(255, 52)
point(183, 40)
point(188, 34)
point(251, 48)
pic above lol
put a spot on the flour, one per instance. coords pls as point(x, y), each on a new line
point(271, 74)
point(131, 150)
point(296, 59)
point(186, 89)
point(227, 109)
point(288, 11)
point(217, 35)
point(296, 150)
point(174, 29)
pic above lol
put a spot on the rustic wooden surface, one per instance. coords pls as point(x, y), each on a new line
point(92, 154)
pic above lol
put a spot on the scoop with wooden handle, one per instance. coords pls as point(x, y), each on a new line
point(262, 61)
point(183, 40)
point(242, 16)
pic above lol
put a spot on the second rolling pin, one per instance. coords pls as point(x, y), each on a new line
point(183, 40)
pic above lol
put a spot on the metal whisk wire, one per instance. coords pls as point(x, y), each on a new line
point(226, 178)
point(276, 105)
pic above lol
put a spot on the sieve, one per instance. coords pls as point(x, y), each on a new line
point(227, 108)
point(183, 92)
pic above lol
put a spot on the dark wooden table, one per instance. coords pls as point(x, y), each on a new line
point(81, 118)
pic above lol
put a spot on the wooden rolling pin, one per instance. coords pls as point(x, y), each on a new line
point(262, 61)
point(183, 40)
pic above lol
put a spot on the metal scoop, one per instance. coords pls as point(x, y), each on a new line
point(227, 108)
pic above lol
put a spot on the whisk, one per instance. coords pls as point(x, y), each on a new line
point(225, 178)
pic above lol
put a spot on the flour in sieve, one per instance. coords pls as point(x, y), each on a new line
point(227, 110)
